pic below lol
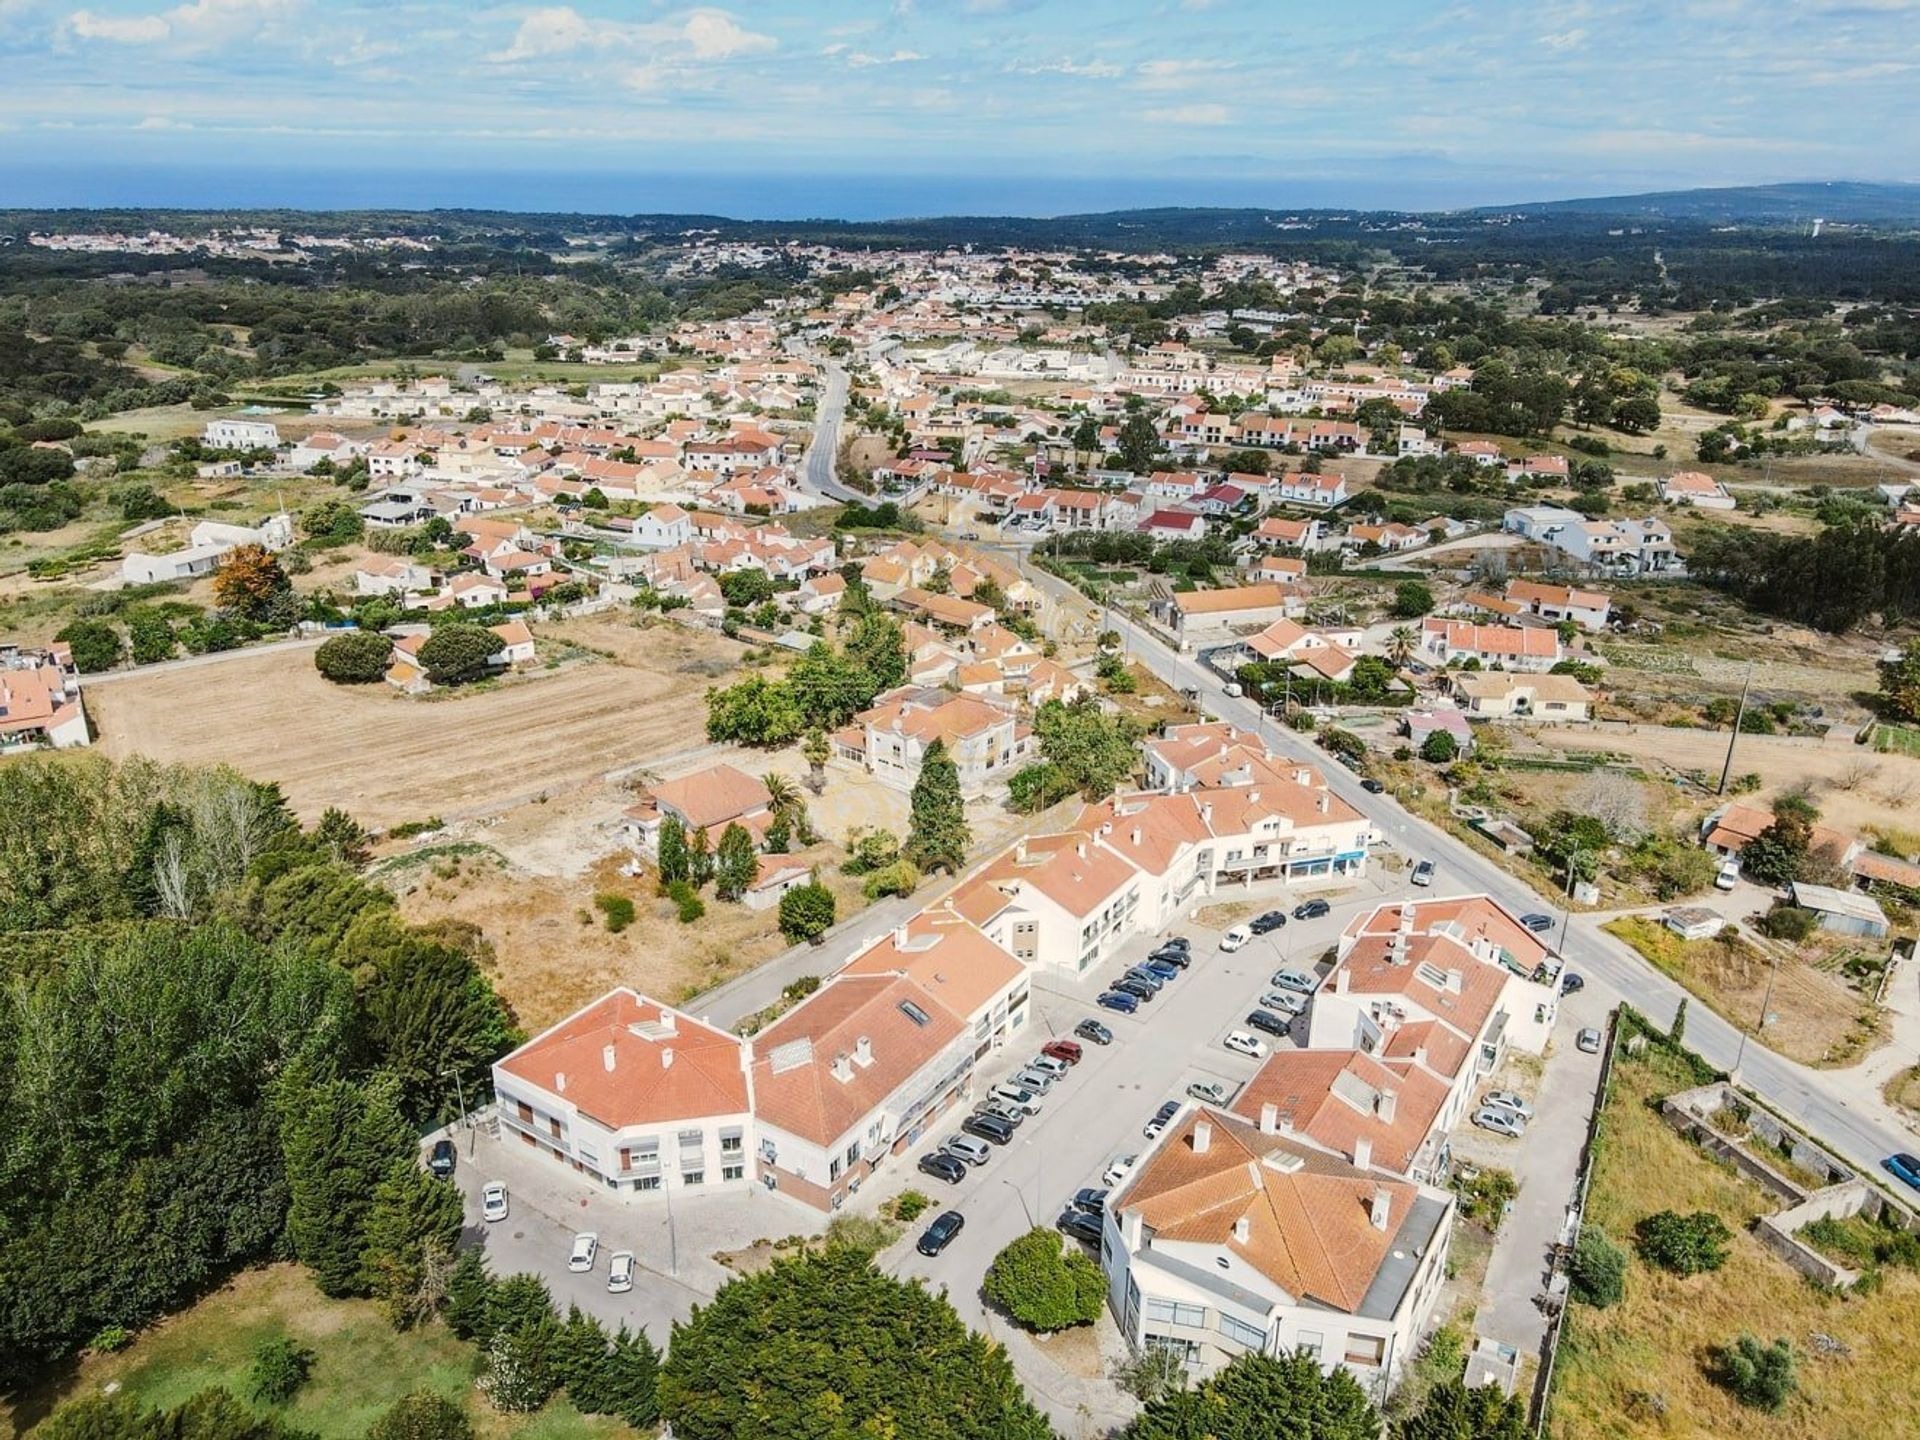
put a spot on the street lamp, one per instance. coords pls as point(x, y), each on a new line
point(1022, 1196)
point(460, 1094)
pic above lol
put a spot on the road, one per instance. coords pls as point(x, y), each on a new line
point(1861, 1131)
point(818, 471)
point(1862, 438)
point(195, 662)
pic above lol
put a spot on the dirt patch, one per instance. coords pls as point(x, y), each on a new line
point(1220, 917)
point(1903, 1092)
point(1076, 1351)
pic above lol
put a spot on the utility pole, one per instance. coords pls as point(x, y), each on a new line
point(459, 1092)
point(1766, 1003)
point(1739, 714)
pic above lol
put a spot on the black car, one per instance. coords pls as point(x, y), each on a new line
point(940, 1233)
point(944, 1167)
point(1272, 920)
point(1571, 982)
point(1093, 1030)
point(1176, 942)
point(1268, 1021)
point(1537, 923)
point(1170, 955)
point(1372, 786)
point(1128, 986)
point(1092, 1201)
point(441, 1161)
point(990, 1128)
point(1311, 909)
point(1082, 1226)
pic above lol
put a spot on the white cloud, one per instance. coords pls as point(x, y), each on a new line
point(1177, 74)
point(121, 30)
point(716, 35)
point(1191, 115)
point(197, 24)
point(859, 59)
point(699, 35)
point(1565, 39)
point(554, 30)
point(1082, 69)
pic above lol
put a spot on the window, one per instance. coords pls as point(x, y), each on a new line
point(1176, 1313)
point(1241, 1333)
point(1187, 1350)
point(1366, 1349)
point(524, 1111)
point(553, 1128)
point(732, 1142)
point(693, 1177)
point(733, 1171)
point(833, 1168)
point(1310, 1342)
point(853, 1153)
point(647, 1182)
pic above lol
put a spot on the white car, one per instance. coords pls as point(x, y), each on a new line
point(1118, 1171)
point(1235, 938)
point(493, 1202)
point(1017, 1096)
point(586, 1248)
point(1245, 1042)
point(1423, 873)
point(1047, 1065)
point(1284, 1001)
point(620, 1272)
point(1507, 1100)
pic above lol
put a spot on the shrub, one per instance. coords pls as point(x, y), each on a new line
point(111, 1338)
point(910, 1205)
point(1044, 1284)
point(1683, 1244)
point(617, 908)
point(358, 658)
point(421, 1416)
point(688, 901)
point(1485, 1196)
point(1788, 922)
point(1758, 1375)
point(1599, 1270)
point(279, 1370)
point(95, 645)
point(1439, 748)
point(806, 912)
point(902, 877)
point(459, 652)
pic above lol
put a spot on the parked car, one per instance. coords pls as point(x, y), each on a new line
point(1176, 942)
point(1047, 1065)
point(1298, 981)
point(1243, 1043)
point(965, 1147)
point(940, 1233)
point(1146, 977)
point(1160, 1119)
point(1268, 1021)
point(1423, 873)
point(1571, 983)
point(1372, 786)
point(1284, 1001)
point(1588, 1040)
point(1236, 937)
point(1001, 1110)
point(441, 1161)
point(1082, 1226)
point(1311, 909)
point(1117, 1170)
point(1017, 1096)
point(1038, 1081)
point(620, 1272)
point(586, 1248)
point(1127, 985)
point(1093, 1201)
point(1727, 876)
point(1163, 970)
point(1176, 955)
point(1064, 1050)
point(1210, 1091)
point(1508, 1100)
point(1904, 1166)
point(1537, 922)
point(1123, 1001)
point(1093, 1030)
point(493, 1202)
point(1272, 920)
point(943, 1167)
point(1500, 1122)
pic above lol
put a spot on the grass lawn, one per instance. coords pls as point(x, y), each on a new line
point(1639, 1369)
point(361, 1366)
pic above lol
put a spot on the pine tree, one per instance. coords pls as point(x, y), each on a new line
point(414, 1223)
point(735, 864)
point(582, 1361)
point(937, 837)
point(469, 1311)
point(340, 1141)
point(673, 851)
point(633, 1380)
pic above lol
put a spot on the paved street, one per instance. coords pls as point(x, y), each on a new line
point(825, 446)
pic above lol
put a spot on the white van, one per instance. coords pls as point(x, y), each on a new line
point(1729, 875)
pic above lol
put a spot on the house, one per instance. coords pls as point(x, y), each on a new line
point(984, 739)
point(1412, 440)
point(1390, 537)
point(1729, 829)
point(473, 590)
point(241, 435)
point(1501, 695)
point(1301, 535)
point(1330, 656)
point(1228, 1239)
point(40, 702)
point(1483, 453)
point(1421, 725)
point(708, 800)
point(1589, 609)
point(819, 593)
point(1539, 467)
point(1063, 901)
point(1195, 616)
point(398, 577)
point(634, 1095)
point(1691, 487)
point(1512, 647)
point(662, 527)
point(323, 445)
point(208, 543)
point(1174, 525)
point(1845, 912)
point(1319, 491)
point(1612, 547)
point(516, 645)
point(949, 612)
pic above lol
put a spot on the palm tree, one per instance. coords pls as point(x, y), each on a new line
point(1401, 644)
point(781, 794)
point(816, 750)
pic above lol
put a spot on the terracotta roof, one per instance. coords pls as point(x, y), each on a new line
point(946, 956)
point(1339, 1096)
point(713, 796)
point(658, 1074)
point(1214, 602)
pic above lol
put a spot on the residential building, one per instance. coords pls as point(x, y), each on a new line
point(1691, 487)
point(1375, 1113)
point(1511, 647)
point(1501, 695)
point(1062, 901)
point(241, 435)
point(1589, 609)
point(708, 800)
point(1206, 616)
point(40, 703)
point(1322, 492)
point(984, 739)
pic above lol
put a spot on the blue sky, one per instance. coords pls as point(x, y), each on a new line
point(865, 107)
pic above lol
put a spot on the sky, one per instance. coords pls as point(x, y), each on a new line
point(872, 108)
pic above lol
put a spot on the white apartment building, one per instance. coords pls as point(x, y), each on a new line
point(241, 435)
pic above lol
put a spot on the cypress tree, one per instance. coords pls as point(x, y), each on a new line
point(736, 864)
point(937, 837)
point(673, 851)
point(341, 1140)
point(469, 1312)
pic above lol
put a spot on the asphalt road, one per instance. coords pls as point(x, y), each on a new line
point(818, 470)
point(1803, 1095)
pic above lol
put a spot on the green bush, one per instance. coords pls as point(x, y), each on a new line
point(687, 899)
point(1439, 748)
point(1044, 1283)
point(1758, 1375)
point(806, 912)
point(458, 652)
point(422, 1415)
point(1599, 1269)
point(910, 1205)
point(279, 1369)
point(617, 908)
point(1788, 922)
point(902, 877)
point(110, 1338)
point(1683, 1244)
point(357, 658)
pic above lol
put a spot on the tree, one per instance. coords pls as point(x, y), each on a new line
point(1149, 1372)
point(1900, 685)
point(1439, 748)
point(1257, 1396)
point(150, 636)
point(1043, 1284)
point(672, 850)
point(824, 1344)
point(457, 653)
point(469, 1307)
point(1411, 600)
point(869, 850)
point(333, 522)
point(95, 645)
point(1455, 1411)
point(1677, 1032)
point(1095, 751)
point(699, 859)
point(745, 589)
point(806, 912)
point(1761, 1376)
point(1775, 855)
point(630, 1380)
point(937, 835)
point(357, 658)
point(735, 863)
point(879, 648)
point(756, 711)
point(341, 1140)
point(1598, 1273)
point(1683, 1244)
point(1402, 645)
point(410, 1235)
point(343, 838)
point(1138, 443)
point(421, 1415)
point(1034, 787)
point(251, 583)
point(815, 750)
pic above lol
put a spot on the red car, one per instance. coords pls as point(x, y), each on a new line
point(1065, 1050)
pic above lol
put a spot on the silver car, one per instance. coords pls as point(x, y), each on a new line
point(965, 1147)
point(1284, 1001)
point(1038, 1081)
point(1017, 1096)
point(1500, 1122)
point(1508, 1100)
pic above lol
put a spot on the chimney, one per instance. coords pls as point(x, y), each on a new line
point(1080, 849)
point(863, 1052)
point(900, 937)
point(1362, 1152)
point(1136, 835)
point(1325, 803)
point(1206, 814)
point(560, 1083)
point(1202, 1137)
point(1420, 1056)
point(1384, 1104)
point(1381, 1207)
point(607, 1057)
point(669, 1021)
point(842, 1068)
point(666, 1057)
point(1269, 1118)
point(1454, 981)
point(1341, 980)
point(1242, 1229)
